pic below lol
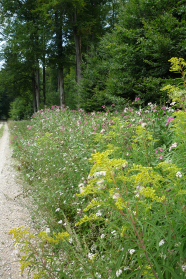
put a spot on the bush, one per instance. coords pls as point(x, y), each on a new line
point(20, 109)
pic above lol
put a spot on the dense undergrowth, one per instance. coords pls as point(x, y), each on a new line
point(108, 188)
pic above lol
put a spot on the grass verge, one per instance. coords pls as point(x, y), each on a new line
point(109, 192)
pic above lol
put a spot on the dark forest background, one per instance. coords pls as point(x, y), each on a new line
point(87, 53)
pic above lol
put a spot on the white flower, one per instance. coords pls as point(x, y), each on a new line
point(47, 230)
point(178, 174)
point(102, 235)
point(91, 256)
point(161, 242)
point(163, 256)
point(113, 232)
point(81, 185)
point(89, 177)
point(172, 104)
point(70, 240)
point(183, 267)
point(126, 268)
point(100, 173)
point(100, 184)
point(78, 210)
point(93, 247)
point(57, 209)
point(118, 272)
point(98, 213)
point(143, 124)
point(131, 251)
point(60, 222)
point(116, 196)
point(98, 275)
point(124, 165)
point(100, 181)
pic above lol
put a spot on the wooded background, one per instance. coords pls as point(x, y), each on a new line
point(87, 53)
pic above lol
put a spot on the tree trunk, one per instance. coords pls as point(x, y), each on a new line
point(60, 55)
point(77, 40)
point(44, 88)
point(33, 90)
point(37, 88)
point(61, 87)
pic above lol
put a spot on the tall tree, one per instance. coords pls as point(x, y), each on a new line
point(24, 29)
point(135, 54)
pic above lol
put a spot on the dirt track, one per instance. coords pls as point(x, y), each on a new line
point(13, 212)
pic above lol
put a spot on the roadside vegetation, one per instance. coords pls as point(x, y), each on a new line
point(108, 190)
point(1, 130)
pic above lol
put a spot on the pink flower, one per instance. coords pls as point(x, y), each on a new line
point(169, 120)
point(161, 157)
point(173, 145)
point(160, 149)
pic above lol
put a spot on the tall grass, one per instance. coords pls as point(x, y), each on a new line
point(1, 130)
point(120, 167)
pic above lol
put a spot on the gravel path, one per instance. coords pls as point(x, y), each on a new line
point(13, 212)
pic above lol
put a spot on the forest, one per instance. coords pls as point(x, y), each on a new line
point(87, 54)
point(100, 85)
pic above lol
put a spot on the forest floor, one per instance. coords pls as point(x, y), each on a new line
point(13, 210)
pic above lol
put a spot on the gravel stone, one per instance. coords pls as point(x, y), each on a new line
point(13, 211)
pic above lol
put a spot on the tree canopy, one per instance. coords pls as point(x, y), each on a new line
point(88, 53)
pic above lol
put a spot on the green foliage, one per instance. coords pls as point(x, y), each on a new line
point(71, 89)
point(40, 245)
point(4, 104)
point(20, 109)
point(123, 209)
point(179, 129)
point(140, 197)
point(45, 36)
point(175, 93)
point(1, 130)
point(135, 54)
point(125, 47)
